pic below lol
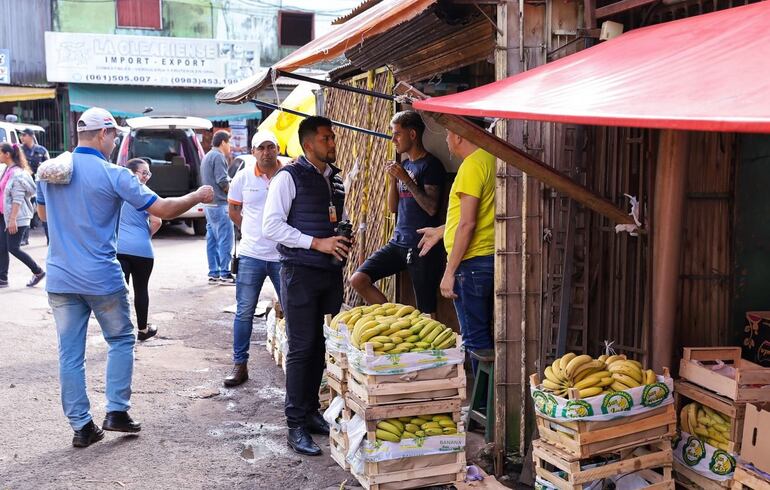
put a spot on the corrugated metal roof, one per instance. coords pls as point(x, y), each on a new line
point(22, 32)
point(362, 7)
point(429, 44)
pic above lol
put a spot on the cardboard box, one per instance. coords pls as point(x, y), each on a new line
point(756, 342)
point(755, 448)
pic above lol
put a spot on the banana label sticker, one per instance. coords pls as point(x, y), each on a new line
point(722, 463)
point(575, 409)
point(617, 402)
point(694, 451)
point(654, 394)
point(545, 403)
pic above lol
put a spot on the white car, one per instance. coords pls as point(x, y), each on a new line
point(11, 132)
point(169, 144)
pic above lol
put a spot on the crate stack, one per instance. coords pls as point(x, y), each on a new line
point(408, 391)
point(579, 454)
point(716, 380)
point(336, 385)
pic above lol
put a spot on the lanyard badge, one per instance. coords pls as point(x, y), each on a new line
point(332, 213)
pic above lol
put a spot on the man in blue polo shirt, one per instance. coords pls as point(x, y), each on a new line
point(85, 275)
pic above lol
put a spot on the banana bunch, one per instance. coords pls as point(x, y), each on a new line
point(593, 377)
point(708, 425)
point(394, 329)
point(628, 374)
point(395, 430)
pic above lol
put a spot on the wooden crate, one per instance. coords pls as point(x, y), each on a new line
point(433, 470)
point(338, 440)
point(652, 462)
point(439, 469)
point(747, 374)
point(583, 439)
point(431, 384)
point(337, 365)
point(684, 391)
point(691, 480)
point(745, 478)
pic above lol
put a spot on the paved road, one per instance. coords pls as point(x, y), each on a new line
point(195, 433)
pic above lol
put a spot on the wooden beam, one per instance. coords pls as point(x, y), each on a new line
point(521, 160)
point(670, 177)
point(621, 6)
point(589, 14)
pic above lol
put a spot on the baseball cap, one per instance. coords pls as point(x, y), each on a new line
point(97, 118)
point(262, 136)
point(28, 132)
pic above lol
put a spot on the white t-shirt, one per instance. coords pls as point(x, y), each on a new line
point(249, 189)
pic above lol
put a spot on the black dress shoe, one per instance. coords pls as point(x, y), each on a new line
point(87, 435)
point(301, 442)
point(120, 422)
point(315, 424)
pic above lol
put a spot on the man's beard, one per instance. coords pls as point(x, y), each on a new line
point(330, 157)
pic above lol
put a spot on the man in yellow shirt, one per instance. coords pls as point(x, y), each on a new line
point(469, 239)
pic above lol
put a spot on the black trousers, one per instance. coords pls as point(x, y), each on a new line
point(11, 244)
point(140, 268)
point(307, 294)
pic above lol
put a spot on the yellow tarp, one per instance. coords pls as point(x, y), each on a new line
point(19, 94)
point(285, 125)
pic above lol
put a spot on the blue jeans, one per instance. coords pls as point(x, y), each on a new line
point(219, 239)
point(71, 313)
point(248, 284)
point(474, 287)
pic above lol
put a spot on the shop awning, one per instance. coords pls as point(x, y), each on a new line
point(709, 72)
point(131, 102)
point(376, 20)
point(20, 94)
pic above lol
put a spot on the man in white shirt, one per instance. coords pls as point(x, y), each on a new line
point(304, 204)
point(258, 255)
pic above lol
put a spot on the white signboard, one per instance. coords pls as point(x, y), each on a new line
point(148, 60)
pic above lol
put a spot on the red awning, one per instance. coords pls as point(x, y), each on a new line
point(710, 73)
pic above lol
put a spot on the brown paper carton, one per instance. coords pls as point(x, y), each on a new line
point(755, 448)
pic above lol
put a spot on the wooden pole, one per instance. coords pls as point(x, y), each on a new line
point(521, 160)
point(670, 178)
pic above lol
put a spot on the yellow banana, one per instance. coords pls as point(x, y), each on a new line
point(585, 369)
point(385, 425)
point(626, 380)
point(379, 338)
point(449, 430)
point(651, 378)
point(387, 436)
point(430, 425)
point(549, 374)
point(575, 363)
point(614, 358)
point(446, 423)
point(550, 385)
point(589, 382)
point(433, 334)
point(375, 345)
point(404, 310)
point(408, 435)
point(603, 357)
point(434, 432)
point(618, 386)
point(448, 343)
point(557, 370)
point(412, 338)
point(418, 421)
point(566, 358)
point(411, 428)
point(606, 382)
point(589, 392)
point(397, 423)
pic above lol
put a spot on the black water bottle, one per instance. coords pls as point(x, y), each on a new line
point(344, 229)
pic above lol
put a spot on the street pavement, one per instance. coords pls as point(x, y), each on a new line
point(195, 433)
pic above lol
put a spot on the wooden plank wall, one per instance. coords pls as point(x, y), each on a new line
point(620, 269)
point(366, 199)
point(706, 272)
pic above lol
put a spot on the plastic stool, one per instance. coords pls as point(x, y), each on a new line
point(482, 408)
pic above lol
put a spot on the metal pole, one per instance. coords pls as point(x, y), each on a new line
point(268, 105)
point(340, 86)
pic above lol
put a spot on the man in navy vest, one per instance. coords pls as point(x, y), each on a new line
point(304, 204)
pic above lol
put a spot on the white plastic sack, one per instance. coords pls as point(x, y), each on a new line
point(369, 363)
point(609, 406)
point(56, 170)
point(337, 340)
point(356, 430)
point(270, 324)
point(333, 412)
point(703, 458)
point(421, 446)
